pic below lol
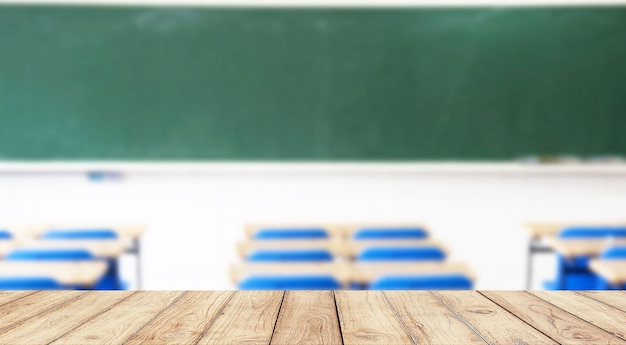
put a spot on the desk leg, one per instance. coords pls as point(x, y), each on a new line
point(137, 245)
point(529, 264)
point(534, 246)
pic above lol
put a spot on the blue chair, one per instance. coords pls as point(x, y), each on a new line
point(574, 273)
point(612, 253)
point(109, 281)
point(79, 234)
point(425, 253)
point(297, 255)
point(593, 232)
point(29, 283)
point(294, 282)
point(291, 234)
point(5, 234)
point(400, 233)
point(423, 282)
point(36, 254)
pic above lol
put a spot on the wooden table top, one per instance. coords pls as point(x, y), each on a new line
point(346, 272)
point(313, 317)
point(612, 270)
point(84, 273)
point(541, 229)
point(583, 247)
point(335, 246)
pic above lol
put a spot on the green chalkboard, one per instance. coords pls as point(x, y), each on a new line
point(183, 83)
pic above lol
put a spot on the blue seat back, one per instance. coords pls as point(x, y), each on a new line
point(616, 252)
point(291, 234)
point(291, 255)
point(592, 232)
point(426, 253)
point(5, 235)
point(36, 254)
point(29, 283)
point(295, 282)
point(423, 282)
point(80, 234)
point(390, 233)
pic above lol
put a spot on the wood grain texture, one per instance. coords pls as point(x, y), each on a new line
point(307, 317)
point(366, 318)
point(597, 313)
point(428, 320)
point(10, 296)
point(22, 309)
point(616, 299)
point(494, 324)
point(549, 319)
point(53, 324)
point(185, 321)
point(248, 318)
point(121, 321)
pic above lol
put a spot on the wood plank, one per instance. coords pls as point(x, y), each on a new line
point(249, 317)
point(58, 321)
point(366, 318)
point(36, 303)
point(10, 296)
point(494, 324)
point(428, 320)
point(549, 319)
point(185, 321)
point(122, 320)
point(616, 299)
point(597, 313)
point(307, 317)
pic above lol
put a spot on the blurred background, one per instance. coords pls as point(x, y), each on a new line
point(167, 145)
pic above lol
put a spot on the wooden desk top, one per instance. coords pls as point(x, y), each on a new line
point(612, 270)
point(67, 273)
point(335, 246)
point(123, 230)
point(582, 247)
point(313, 317)
point(98, 248)
point(366, 272)
point(539, 229)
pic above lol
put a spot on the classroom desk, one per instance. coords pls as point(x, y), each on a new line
point(614, 271)
point(331, 229)
point(353, 247)
point(582, 247)
point(7, 245)
point(123, 230)
point(339, 270)
point(541, 230)
point(246, 247)
point(313, 317)
point(67, 273)
point(366, 272)
point(98, 248)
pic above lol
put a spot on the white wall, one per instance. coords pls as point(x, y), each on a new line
point(196, 218)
